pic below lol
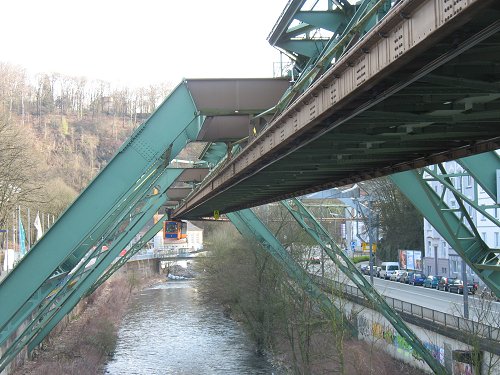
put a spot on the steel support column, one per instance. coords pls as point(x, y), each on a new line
point(455, 224)
point(81, 289)
point(101, 237)
point(342, 261)
point(151, 232)
point(48, 319)
point(69, 291)
point(250, 226)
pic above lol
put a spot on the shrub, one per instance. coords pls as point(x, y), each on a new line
point(361, 258)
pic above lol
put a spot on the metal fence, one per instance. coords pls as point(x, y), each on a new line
point(436, 317)
point(161, 253)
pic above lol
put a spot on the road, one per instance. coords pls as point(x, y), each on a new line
point(485, 311)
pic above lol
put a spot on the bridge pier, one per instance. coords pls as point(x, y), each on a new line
point(143, 267)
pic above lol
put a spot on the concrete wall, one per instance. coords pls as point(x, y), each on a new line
point(144, 267)
point(375, 329)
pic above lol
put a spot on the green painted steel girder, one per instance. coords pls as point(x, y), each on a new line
point(164, 134)
point(459, 231)
point(162, 183)
point(483, 169)
point(305, 218)
point(129, 254)
point(214, 152)
point(445, 180)
point(45, 321)
point(81, 289)
point(295, 31)
point(251, 227)
point(328, 20)
point(103, 236)
point(361, 22)
point(305, 47)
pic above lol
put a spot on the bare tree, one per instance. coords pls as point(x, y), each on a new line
point(401, 225)
point(18, 170)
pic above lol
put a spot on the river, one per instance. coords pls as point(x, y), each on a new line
point(169, 330)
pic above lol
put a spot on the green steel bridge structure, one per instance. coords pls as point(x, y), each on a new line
point(376, 88)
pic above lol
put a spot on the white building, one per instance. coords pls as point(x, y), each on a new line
point(439, 255)
point(194, 237)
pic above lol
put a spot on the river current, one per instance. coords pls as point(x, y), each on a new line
point(169, 330)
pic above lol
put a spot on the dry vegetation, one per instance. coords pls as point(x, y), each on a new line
point(279, 316)
point(83, 344)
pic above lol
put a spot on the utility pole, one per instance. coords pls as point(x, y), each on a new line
point(465, 290)
point(370, 237)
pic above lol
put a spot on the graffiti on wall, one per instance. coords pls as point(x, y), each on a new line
point(436, 351)
point(391, 337)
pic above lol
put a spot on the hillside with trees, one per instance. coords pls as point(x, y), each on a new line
point(57, 132)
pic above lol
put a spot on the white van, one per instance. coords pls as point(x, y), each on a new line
point(387, 269)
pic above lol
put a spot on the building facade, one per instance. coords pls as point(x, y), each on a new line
point(194, 237)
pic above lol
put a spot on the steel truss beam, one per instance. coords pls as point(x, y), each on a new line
point(129, 254)
point(455, 223)
point(251, 227)
point(83, 286)
point(81, 279)
point(350, 26)
point(89, 248)
point(305, 218)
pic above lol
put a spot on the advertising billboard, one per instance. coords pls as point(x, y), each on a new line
point(410, 260)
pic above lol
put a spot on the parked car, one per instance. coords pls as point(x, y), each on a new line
point(365, 269)
point(314, 260)
point(444, 283)
point(405, 277)
point(417, 279)
point(396, 275)
point(387, 269)
point(457, 286)
point(432, 281)
point(475, 285)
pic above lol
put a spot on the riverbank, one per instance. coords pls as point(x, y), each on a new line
point(84, 344)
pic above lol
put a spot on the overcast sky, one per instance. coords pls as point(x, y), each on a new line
point(140, 42)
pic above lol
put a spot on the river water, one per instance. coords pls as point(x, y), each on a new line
point(169, 330)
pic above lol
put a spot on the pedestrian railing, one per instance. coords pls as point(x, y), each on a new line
point(160, 253)
point(487, 331)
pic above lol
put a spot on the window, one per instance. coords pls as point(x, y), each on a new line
point(496, 240)
point(443, 250)
point(469, 181)
point(443, 271)
point(483, 218)
point(429, 270)
point(483, 236)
